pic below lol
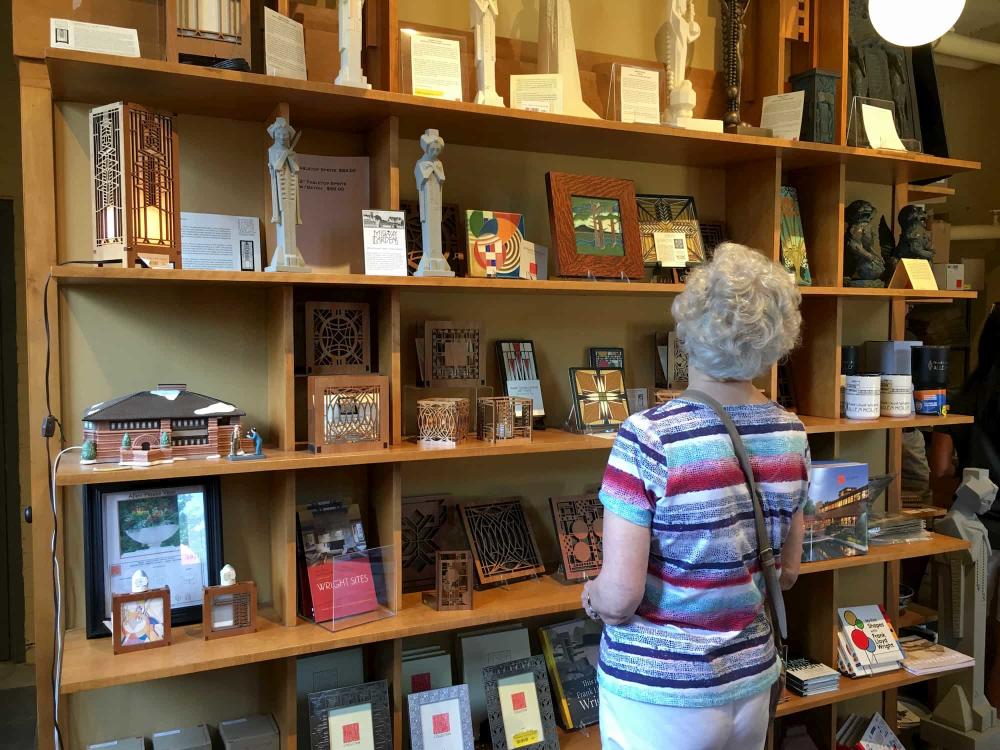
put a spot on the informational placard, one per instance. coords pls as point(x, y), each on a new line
point(671, 249)
point(528, 389)
point(385, 242)
point(913, 273)
point(93, 37)
point(522, 719)
point(217, 242)
point(436, 67)
point(782, 114)
point(881, 128)
point(334, 190)
point(284, 46)
point(542, 92)
point(639, 94)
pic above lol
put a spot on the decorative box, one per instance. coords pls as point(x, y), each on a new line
point(504, 418)
point(819, 114)
point(348, 412)
point(442, 422)
point(250, 733)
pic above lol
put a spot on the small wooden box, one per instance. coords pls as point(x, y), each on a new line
point(243, 600)
point(454, 579)
point(442, 422)
point(348, 412)
point(505, 419)
point(145, 638)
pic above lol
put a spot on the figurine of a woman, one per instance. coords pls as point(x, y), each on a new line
point(683, 31)
point(430, 180)
point(283, 165)
point(349, 22)
point(483, 17)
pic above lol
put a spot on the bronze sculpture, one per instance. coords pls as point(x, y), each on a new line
point(733, 27)
point(914, 238)
point(863, 262)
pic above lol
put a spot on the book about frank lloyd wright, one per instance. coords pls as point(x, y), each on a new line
point(571, 652)
point(869, 636)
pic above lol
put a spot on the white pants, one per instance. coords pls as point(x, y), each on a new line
point(630, 725)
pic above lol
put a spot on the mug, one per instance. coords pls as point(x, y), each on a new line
point(862, 396)
point(896, 398)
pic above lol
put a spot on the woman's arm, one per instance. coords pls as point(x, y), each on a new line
point(942, 455)
point(791, 552)
point(617, 592)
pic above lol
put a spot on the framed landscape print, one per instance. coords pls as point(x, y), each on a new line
point(600, 400)
point(595, 226)
point(351, 718)
point(519, 705)
point(170, 529)
point(441, 719)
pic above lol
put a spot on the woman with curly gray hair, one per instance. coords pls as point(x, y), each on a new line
point(687, 657)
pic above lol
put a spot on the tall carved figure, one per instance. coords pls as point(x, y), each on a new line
point(557, 54)
point(283, 166)
point(349, 24)
point(684, 30)
point(430, 180)
point(483, 17)
point(733, 28)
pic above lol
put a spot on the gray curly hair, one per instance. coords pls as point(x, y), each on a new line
point(738, 315)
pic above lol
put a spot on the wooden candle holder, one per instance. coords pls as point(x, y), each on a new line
point(442, 422)
point(348, 412)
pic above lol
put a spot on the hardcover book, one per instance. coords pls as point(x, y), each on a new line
point(836, 513)
point(571, 651)
point(485, 649)
point(870, 639)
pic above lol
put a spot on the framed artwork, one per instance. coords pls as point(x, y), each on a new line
point(170, 529)
point(660, 217)
point(453, 353)
point(347, 412)
point(441, 719)
point(519, 705)
point(713, 234)
point(579, 522)
point(502, 541)
point(600, 401)
point(519, 372)
point(452, 236)
point(673, 359)
point(494, 244)
point(605, 357)
point(230, 610)
point(595, 226)
point(638, 399)
point(424, 521)
point(793, 241)
point(141, 620)
point(351, 718)
point(338, 338)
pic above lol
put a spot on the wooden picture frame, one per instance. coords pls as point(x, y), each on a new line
point(494, 676)
point(243, 600)
point(338, 338)
point(605, 357)
point(453, 353)
point(330, 429)
point(579, 524)
point(373, 694)
point(118, 601)
point(442, 723)
point(453, 581)
point(600, 399)
point(566, 191)
point(487, 522)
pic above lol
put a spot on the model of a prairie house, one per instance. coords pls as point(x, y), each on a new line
point(159, 426)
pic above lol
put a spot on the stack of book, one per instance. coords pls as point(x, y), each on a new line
point(895, 528)
point(867, 643)
point(924, 657)
point(571, 650)
point(859, 733)
point(807, 677)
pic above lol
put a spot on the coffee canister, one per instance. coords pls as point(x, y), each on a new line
point(862, 396)
point(849, 356)
point(930, 379)
point(897, 396)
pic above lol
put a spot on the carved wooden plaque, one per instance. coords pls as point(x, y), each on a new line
point(579, 524)
point(338, 338)
point(503, 543)
point(453, 353)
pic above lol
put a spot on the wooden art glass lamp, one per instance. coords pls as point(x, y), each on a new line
point(204, 31)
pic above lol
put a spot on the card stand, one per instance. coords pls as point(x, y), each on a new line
point(614, 111)
point(856, 135)
point(352, 589)
point(413, 393)
point(621, 277)
point(570, 425)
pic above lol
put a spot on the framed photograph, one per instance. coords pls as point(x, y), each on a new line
point(606, 357)
point(141, 620)
point(595, 226)
point(661, 217)
point(600, 401)
point(351, 718)
point(519, 373)
point(519, 705)
point(441, 719)
point(170, 529)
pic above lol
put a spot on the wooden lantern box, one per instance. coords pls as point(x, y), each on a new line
point(504, 418)
point(348, 412)
point(241, 601)
point(204, 31)
point(442, 422)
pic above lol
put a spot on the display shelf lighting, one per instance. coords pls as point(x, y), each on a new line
point(911, 23)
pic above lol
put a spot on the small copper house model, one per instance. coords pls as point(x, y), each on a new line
point(157, 426)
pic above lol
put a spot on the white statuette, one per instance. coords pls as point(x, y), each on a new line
point(430, 181)
point(483, 17)
point(557, 54)
point(227, 576)
point(349, 22)
point(283, 166)
point(140, 581)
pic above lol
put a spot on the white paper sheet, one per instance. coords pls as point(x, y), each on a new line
point(782, 113)
point(528, 389)
point(640, 95)
point(537, 93)
point(385, 242)
point(218, 242)
point(881, 128)
point(671, 249)
point(284, 46)
point(436, 67)
point(93, 37)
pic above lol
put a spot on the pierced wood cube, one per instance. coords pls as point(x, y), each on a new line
point(453, 591)
point(338, 338)
point(348, 412)
point(442, 422)
point(504, 418)
point(453, 353)
point(229, 610)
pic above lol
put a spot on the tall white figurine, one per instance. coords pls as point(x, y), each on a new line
point(483, 17)
point(683, 31)
point(557, 54)
point(349, 20)
point(283, 165)
point(430, 179)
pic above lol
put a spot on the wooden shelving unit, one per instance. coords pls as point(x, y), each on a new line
point(93, 307)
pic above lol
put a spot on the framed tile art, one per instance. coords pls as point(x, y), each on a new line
point(600, 400)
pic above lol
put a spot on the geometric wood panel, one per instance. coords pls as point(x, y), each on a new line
point(338, 338)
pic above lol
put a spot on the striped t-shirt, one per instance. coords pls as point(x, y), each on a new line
point(700, 636)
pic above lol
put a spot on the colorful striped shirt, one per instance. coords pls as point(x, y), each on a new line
point(700, 636)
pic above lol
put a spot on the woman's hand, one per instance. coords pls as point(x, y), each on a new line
point(617, 592)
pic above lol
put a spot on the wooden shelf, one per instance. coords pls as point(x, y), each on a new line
point(188, 89)
point(925, 193)
point(916, 614)
point(842, 424)
point(580, 739)
point(114, 275)
point(89, 665)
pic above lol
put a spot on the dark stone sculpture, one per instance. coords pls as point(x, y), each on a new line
point(914, 239)
point(863, 262)
point(819, 112)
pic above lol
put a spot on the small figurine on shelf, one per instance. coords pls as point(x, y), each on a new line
point(914, 238)
point(683, 31)
point(236, 452)
point(349, 26)
point(863, 262)
point(283, 165)
point(258, 442)
point(430, 180)
point(235, 448)
point(557, 54)
point(227, 576)
point(483, 15)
